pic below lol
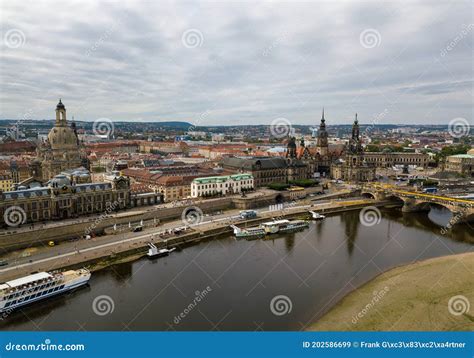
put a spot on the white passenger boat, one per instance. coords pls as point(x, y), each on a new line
point(251, 233)
point(316, 216)
point(38, 286)
point(282, 226)
point(153, 251)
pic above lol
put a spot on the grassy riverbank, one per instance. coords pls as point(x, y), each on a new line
point(414, 297)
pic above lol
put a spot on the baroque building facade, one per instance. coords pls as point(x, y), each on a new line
point(62, 198)
point(268, 170)
point(221, 185)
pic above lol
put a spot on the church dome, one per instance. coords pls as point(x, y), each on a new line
point(62, 138)
point(60, 181)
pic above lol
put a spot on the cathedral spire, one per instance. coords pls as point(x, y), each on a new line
point(322, 142)
point(355, 129)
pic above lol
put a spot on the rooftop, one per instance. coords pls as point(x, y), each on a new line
point(465, 156)
point(223, 178)
point(28, 279)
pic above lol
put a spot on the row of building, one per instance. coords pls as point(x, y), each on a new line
point(59, 184)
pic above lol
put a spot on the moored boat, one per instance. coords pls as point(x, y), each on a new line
point(153, 251)
point(38, 286)
point(248, 234)
point(282, 226)
point(317, 216)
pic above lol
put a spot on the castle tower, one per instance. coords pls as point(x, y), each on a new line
point(322, 142)
point(291, 148)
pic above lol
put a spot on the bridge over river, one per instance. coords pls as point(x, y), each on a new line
point(462, 209)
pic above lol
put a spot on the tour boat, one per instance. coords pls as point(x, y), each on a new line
point(154, 252)
point(283, 226)
point(35, 287)
point(317, 216)
point(251, 233)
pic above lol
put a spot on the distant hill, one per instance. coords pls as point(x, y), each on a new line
point(88, 124)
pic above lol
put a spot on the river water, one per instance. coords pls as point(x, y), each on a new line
point(225, 284)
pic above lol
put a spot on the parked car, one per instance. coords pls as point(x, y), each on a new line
point(137, 228)
point(3, 263)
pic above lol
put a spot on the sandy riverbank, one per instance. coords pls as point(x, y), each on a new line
point(414, 297)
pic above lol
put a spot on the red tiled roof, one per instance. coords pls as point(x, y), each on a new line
point(15, 147)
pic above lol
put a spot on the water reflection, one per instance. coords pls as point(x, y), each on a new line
point(435, 221)
point(289, 242)
point(245, 276)
point(351, 227)
point(122, 273)
point(440, 215)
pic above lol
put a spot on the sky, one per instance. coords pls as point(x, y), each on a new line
point(223, 63)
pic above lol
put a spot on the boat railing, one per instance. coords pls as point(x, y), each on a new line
point(236, 229)
point(151, 245)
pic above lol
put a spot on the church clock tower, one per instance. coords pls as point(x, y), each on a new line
point(322, 142)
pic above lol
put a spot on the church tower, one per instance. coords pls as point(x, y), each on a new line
point(291, 148)
point(355, 145)
point(322, 142)
point(61, 115)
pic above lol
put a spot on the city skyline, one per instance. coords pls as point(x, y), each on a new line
point(210, 64)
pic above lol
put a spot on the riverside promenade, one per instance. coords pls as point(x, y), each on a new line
point(109, 249)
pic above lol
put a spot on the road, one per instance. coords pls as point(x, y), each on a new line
point(68, 253)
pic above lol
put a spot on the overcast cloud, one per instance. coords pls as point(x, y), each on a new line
point(226, 63)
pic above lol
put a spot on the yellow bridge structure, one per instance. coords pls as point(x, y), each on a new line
point(462, 209)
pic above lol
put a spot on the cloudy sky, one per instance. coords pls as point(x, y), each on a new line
point(226, 63)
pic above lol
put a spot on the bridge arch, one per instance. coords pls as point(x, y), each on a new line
point(368, 195)
point(427, 205)
point(395, 199)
